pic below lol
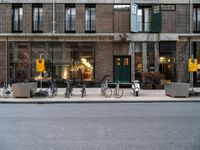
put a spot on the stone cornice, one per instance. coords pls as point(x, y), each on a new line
point(103, 1)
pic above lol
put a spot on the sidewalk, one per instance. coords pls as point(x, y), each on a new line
point(94, 96)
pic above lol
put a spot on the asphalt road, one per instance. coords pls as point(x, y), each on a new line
point(153, 126)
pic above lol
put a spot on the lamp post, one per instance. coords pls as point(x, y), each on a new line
point(41, 74)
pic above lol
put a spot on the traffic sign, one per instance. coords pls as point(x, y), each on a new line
point(39, 65)
point(192, 65)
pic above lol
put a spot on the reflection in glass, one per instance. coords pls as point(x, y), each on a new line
point(117, 61)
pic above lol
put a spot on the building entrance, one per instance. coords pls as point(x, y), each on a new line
point(122, 68)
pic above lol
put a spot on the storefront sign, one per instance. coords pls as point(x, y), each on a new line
point(39, 65)
point(192, 65)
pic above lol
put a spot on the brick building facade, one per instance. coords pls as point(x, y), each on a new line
point(93, 40)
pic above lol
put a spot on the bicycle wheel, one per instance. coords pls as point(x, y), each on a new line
point(55, 91)
point(5, 94)
point(107, 92)
point(67, 93)
point(50, 92)
point(83, 93)
point(118, 93)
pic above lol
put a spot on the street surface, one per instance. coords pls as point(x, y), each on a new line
point(101, 126)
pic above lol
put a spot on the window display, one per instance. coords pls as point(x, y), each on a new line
point(62, 61)
point(73, 61)
point(19, 62)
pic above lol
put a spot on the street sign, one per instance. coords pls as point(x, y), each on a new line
point(39, 65)
point(192, 65)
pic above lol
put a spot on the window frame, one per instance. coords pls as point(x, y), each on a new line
point(39, 20)
point(20, 18)
point(70, 6)
point(168, 7)
point(196, 28)
point(121, 7)
point(142, 8)
point(90, 7)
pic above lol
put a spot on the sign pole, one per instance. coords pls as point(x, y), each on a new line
point(40, 76)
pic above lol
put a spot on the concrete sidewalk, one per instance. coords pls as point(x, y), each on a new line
point(94, 95)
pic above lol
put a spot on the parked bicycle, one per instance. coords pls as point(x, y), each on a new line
point(105, 90)
point(118, 92)
point(68, 91)
point(52, 89)
point(83, 90)
point(6, 90)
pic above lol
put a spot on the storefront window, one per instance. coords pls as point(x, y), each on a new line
point(73, 61)
point(19, 62)
point(41, 49)
point(144, 59)
point(197, 55)
point(167, 60)
point(63, 61)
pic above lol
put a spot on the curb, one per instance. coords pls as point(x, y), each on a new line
point(97, 101)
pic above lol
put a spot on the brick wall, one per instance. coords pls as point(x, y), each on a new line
point(168, 22)
point(47, 18)
point(182, 50)
point(104, 18)
point(80, 18)
point(121, 21)
point(27, 18)
point(121, 48)
point(60, 18)
point(5, 18)
point(103, 60)
point(182, 18)
point(2, 61)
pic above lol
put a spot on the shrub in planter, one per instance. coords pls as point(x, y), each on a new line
point(152, 80)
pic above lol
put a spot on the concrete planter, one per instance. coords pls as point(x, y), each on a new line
point(24, 90)
point(175, 89)
point(146, 86)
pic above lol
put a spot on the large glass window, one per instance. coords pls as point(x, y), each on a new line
point(197, 55)
point(73, 61)
point(37, 18)
point(63, 61)
point(90, 18)
point(41, 49)
point(19, 61)
point(17, 15)
point(167, 64)
point(144, 59)
point(196, 19)
point(70, 14)
point(144, 19)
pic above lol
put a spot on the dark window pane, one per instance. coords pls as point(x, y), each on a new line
point(17, 18)
point(37, 18)
point(90, 18)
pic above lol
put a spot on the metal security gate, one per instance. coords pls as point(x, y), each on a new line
point(122, 68)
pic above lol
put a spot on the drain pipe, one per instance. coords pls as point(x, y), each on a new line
point(54, 17)
point(6, 60)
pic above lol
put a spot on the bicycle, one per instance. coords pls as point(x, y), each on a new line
point(68, 91)
point(6, 90)
point(52, 89)
point(83, 90)
point(105, 90)
point(118, 92)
